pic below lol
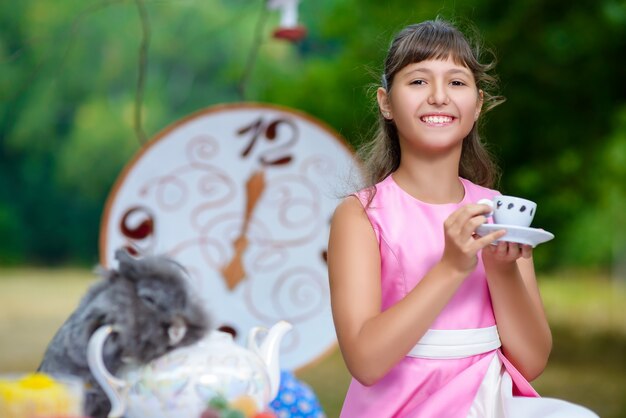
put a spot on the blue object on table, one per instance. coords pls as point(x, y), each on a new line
point(295, 399)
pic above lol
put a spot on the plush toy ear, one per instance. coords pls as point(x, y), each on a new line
point(128, 266)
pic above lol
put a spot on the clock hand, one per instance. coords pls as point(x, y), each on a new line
point(233, 272)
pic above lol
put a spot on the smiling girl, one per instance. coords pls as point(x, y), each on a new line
point(432, 320)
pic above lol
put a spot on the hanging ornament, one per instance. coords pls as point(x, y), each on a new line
point(288, 28)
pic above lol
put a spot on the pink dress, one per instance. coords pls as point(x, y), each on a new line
point(411, 242)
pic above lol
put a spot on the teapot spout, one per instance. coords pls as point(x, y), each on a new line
point(269, 351)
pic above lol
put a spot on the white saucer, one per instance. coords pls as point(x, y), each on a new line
point(518, 234)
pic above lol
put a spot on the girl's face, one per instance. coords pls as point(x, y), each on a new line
point(434, 104)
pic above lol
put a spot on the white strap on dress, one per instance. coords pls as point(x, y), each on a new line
point(456, 343)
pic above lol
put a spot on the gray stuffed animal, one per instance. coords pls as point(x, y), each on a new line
point(149, 303)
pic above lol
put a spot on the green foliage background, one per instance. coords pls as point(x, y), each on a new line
point(68, 77)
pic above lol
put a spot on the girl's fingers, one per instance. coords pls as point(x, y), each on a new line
point(514, 251)
point(485, 240)
point(511, 251)
point(503, 249)
point(464, 214)
point(471, 211)
point(464, 221)
point(470, 226)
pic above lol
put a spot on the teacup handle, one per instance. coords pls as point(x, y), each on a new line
point(115, 389)
point(489, 203)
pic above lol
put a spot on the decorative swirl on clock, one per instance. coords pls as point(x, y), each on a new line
point(318, 165)
point(170, 193)
point(298, 294)
point(216, 189)
point(200, 149)
point(293, 202)
point(197, 178)
point(269, 258)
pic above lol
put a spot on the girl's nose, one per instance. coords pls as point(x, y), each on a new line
point(438, 95)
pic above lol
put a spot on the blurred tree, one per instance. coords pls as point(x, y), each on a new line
point(552, 133)
point(69, 72)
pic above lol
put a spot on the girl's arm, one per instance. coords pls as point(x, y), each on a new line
point(522, 324)
point(371, 341)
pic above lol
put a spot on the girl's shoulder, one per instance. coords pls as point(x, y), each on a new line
point(368, 194)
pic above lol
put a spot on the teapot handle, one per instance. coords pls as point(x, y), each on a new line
point(115, 389)
point(253, 343)
point(269, 351)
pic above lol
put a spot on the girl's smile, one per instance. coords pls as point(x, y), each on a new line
point(437, 119)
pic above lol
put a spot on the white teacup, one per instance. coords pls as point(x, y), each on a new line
point(511, 210)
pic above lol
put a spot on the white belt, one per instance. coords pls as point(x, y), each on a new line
point(456, 343)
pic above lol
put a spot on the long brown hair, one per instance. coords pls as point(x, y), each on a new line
point(433, 39)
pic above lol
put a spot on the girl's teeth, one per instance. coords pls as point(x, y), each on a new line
point(437, 119)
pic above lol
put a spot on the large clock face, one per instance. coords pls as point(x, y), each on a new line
point(242, 196)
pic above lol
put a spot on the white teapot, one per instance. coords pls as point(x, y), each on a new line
point(182, 382)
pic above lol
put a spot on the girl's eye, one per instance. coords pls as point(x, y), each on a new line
point(457, 83)
point(418, 82)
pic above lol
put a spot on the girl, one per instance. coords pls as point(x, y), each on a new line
point(432, 320)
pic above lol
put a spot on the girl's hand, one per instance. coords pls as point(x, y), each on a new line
point(461, 244)
point(505, 253)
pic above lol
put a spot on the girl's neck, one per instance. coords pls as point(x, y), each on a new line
point(431, 181)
